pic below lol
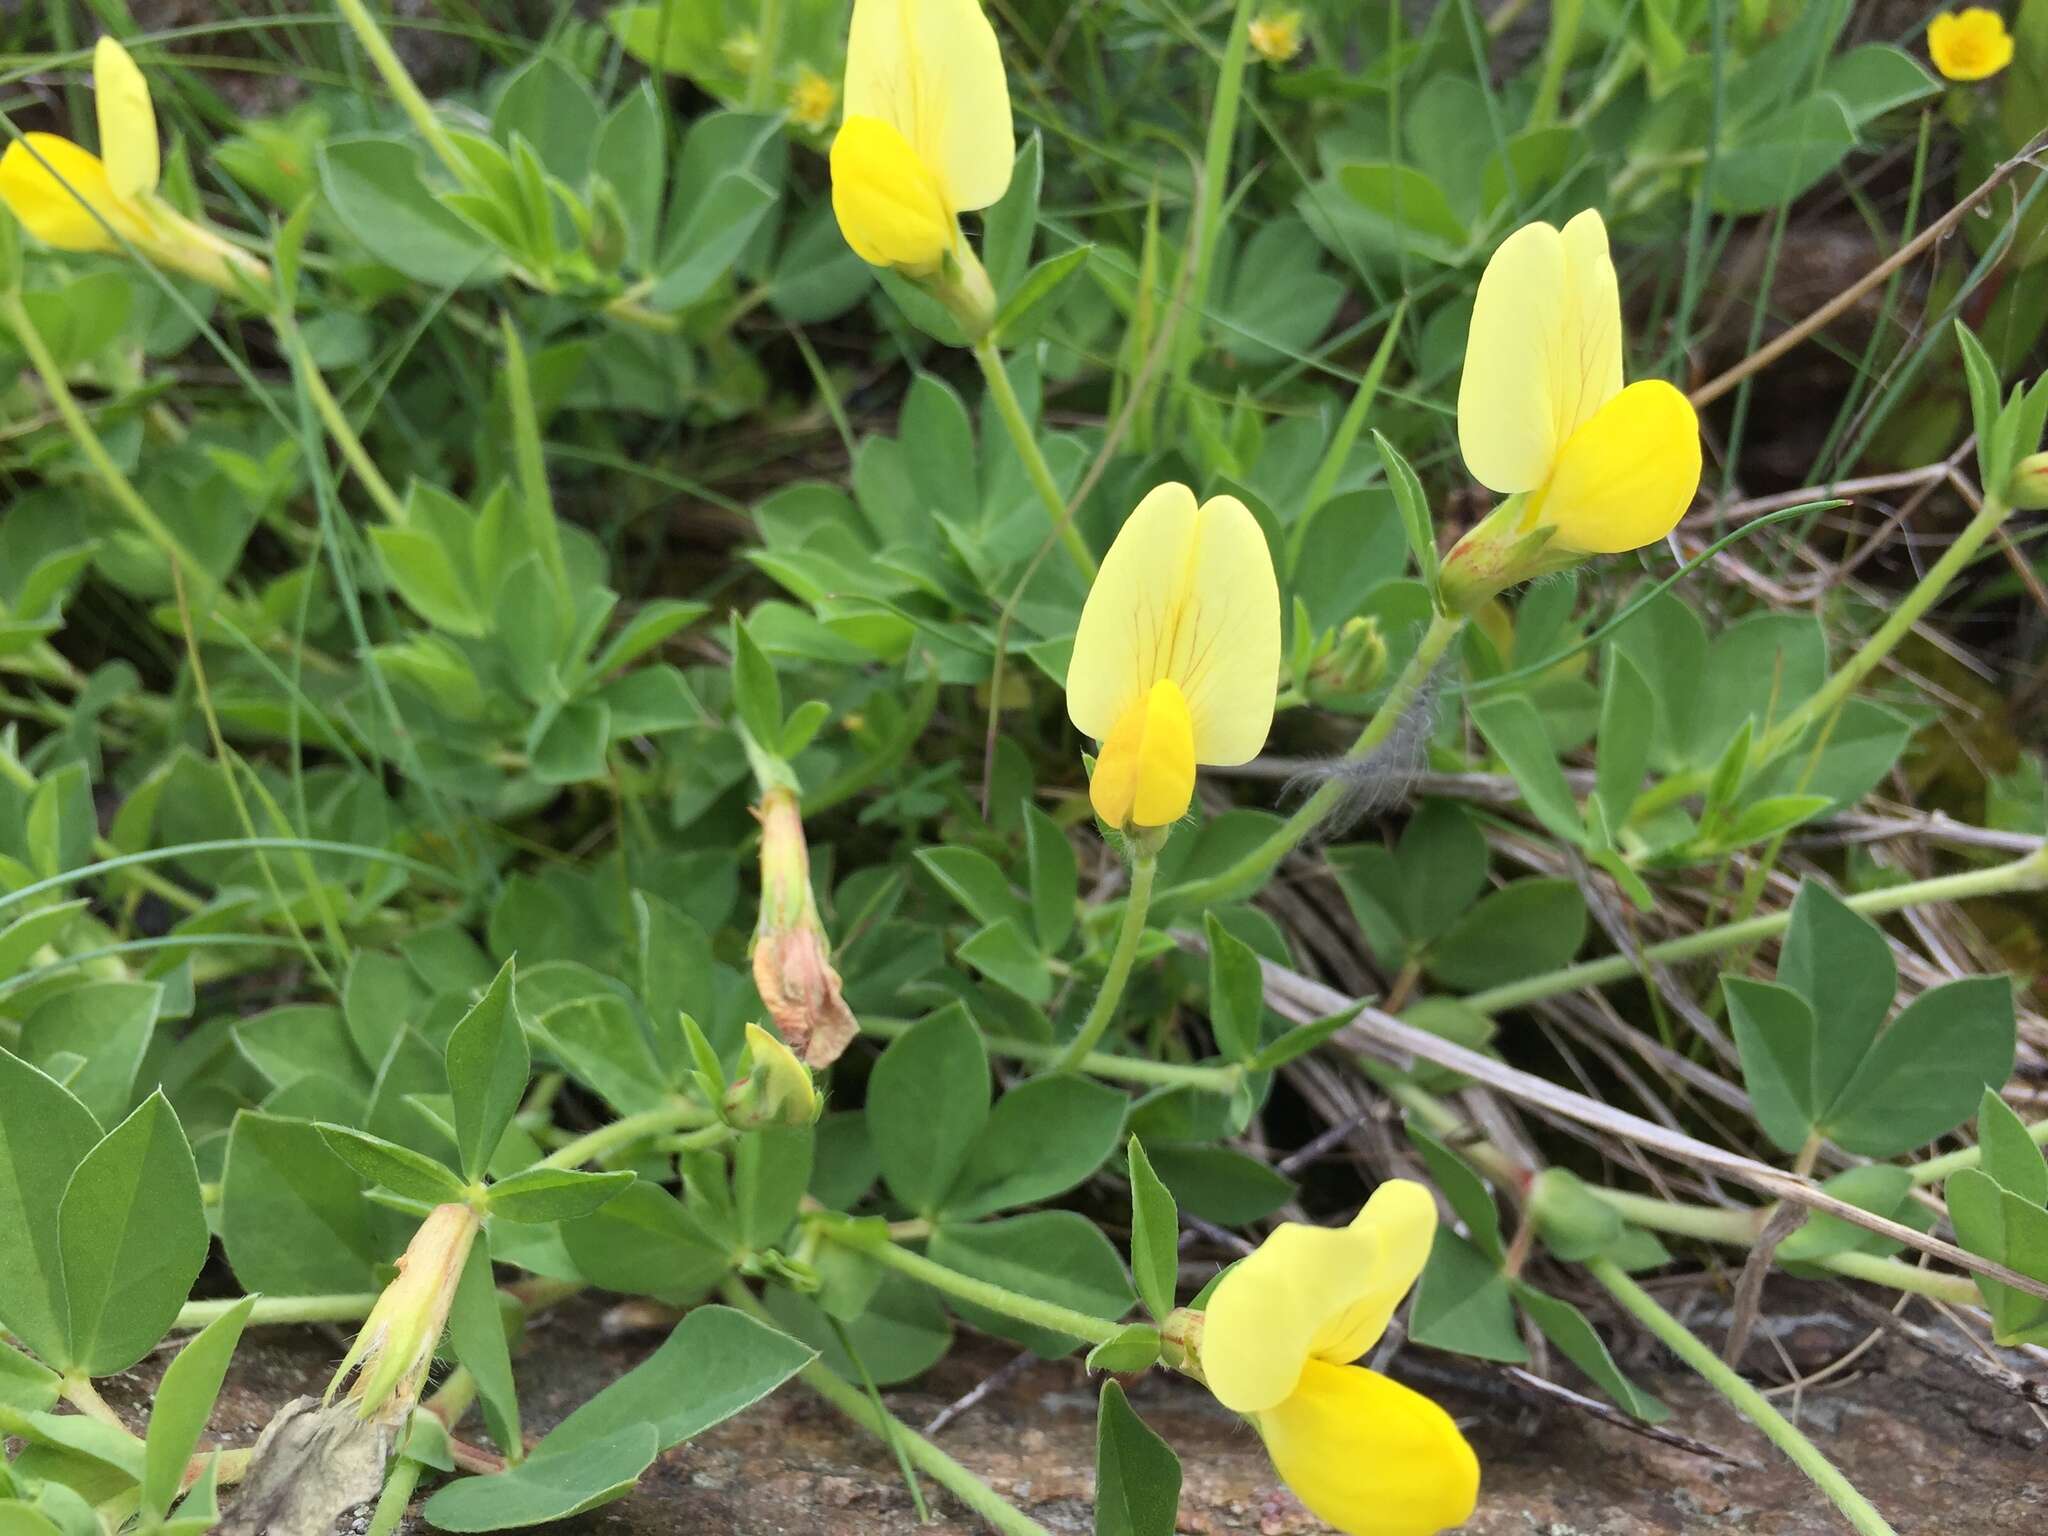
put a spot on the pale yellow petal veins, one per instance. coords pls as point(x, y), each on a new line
point(1401, 1216)
point(1586, 356)
point(1369, 1456)
point(888, 205)
point(1626, 476)
point(1225, 650)
point(934, 71)
point(54, 187)
point(1507, 429)
point(128, 140)
point(1117, 648)
point(1145, 776)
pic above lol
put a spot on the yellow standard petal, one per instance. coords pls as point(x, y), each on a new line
point(1145, 776)
point(932, 69)
point(888, 204)
point(128, 142)
point(1627, 476)
point(1313, 1293)
point(53, 187)
point(1369, 1456)
point(1969, 45)
point(1187, 592)
point(1543, 353)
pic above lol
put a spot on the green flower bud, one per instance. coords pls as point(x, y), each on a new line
point(777, 1090)
point(2028, 488)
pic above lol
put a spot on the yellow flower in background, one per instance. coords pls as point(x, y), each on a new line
point(1276, 35)
point(72, 199)
point(1969, 45)
point(1364, 1453)
point(1177, 658)
point(812, 99)
point(927, 132)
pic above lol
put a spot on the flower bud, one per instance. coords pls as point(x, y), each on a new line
point(777, 1090)
point(812, 100)
point(1355, 662)
point(1180, 1339)
point(792, 957)
point(1575, 1224)
point(395, 1349)
point(1503, 551)
point(608, 236)
point(1276, 35)
point(2028, 488)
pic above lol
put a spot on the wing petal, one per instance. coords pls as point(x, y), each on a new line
point(128, 142)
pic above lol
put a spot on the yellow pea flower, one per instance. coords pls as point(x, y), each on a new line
point(1276, 35)
point(70, 198)
point(1364, 1453)
point(1588, 467)
point(1178, 654)
point(1969, 45)
point(926, 137)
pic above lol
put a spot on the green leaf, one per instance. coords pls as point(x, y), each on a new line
point(184, 1402)
point(603, 1046)
point(1221, 1184)
point(711, 239)
point(391, 1166)
point(1774, 1034)
point(1985, 402)
point(2011, 1156)
point(1628, 717)
point(1879, 1188)
point(642, 1242)
point(1003, 954)
point(1463, 1304)
point(715, 1363)
point(1137, 1476)
point(487, 1070)
point(1414, 508)
point(1055, 879)
point(1044, 1137)
point(1028, 309)
point(1237, 992)
point(1772, 161)
point(429, 580)
point(132, 1230)
point(1056, 1256)
point(45, 1134)
point(771, 1170)
point(1840, 962)
point(1008, 225)
point(1155, 1235)
point(973, 880)
point(1513, 729)
point(1441, 865)
point(476, 1335)
point(1412, 208)
point(927, 1101)
point(1134, 1348)
point(1300, 1040)
point(293, 1220)
point(1876, 79)
point(25, 1385)
point(545, 1488)
point(554, 1194)
point(900, 1333)
point(1928, 1072)
point(1996, 1224)
point(373, 184)
point(20, 940)
point(110, 1024)
point(755, 692)
point(1566, 1327)
point(1523, 929)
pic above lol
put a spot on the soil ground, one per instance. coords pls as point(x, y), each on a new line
point(1937, 1450)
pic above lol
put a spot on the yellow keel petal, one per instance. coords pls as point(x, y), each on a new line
point(1626, 477)
point(55, 196)
point(1145, 776)
point(888, 203)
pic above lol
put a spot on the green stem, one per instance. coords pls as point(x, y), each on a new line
point(1144, 865)
point(1215, 178)
point(1557, 53)
point(1011, 409)
point(935, 1463)
point(1247, 871)
point(767, 50)
point(2023, 874)
point(1935, 1169)
point(1128, 1069)
point(399, 82)
point(404, 1477)
point(340, 428)
point(981, 1293)
point(340, 1308)
point(1752, 1404)
point(80, 1393)
point(118, 485)
point(658, 1121)
point(1836, 690)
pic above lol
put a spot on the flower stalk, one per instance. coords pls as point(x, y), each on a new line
point(1144, 866)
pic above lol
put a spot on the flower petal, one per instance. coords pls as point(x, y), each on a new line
point(1186, 592)
point(1401, 1215)
point(55, 195)
point(1543, 353)
point(1369, 1456)
point(888, 206)
point(1627, 476)
point(128, 142)
point(1145, 776)
point(934, 70)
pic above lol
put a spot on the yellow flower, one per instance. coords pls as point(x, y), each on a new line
point(1177, 658)
point(1364, 1453)
point(927, 132)
point(1276, 35)
point(1969, 45)
point(75, 200)
point(812, 99)
point(1588, 466)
